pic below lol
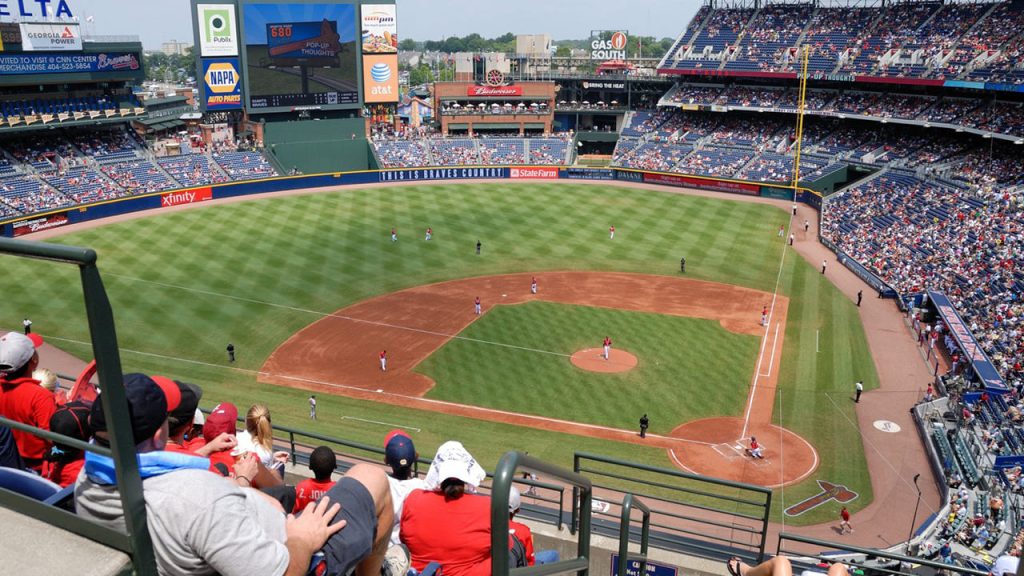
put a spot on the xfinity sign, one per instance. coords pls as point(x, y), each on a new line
point(614, 48)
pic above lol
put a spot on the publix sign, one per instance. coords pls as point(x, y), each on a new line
point(614, 48)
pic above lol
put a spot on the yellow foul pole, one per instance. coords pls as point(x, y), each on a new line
point(801, 102)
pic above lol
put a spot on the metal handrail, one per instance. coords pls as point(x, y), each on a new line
point(503, 477)
point(763, 504)
point(645, 533)
point(108, 360)
point(837, 549)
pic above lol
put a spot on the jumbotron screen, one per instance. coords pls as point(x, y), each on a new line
point(300, 55)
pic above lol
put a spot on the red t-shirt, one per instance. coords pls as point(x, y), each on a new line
point(309, 490)
point(63, 474)
point(456, 533)
point(845, 514)
point(24, 400)
point(223, 457)
point(522, 531)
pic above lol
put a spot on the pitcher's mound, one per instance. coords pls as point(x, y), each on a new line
point(592, 360)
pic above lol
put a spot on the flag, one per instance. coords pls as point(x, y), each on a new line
point(90, 18)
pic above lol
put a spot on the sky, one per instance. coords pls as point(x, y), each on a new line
point(157, 21)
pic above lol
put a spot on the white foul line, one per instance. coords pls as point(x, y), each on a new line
point(381, 423)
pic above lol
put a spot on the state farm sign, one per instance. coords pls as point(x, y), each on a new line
point(613, 48)
point(494, 91)
point(186, 197)
point(533, 173)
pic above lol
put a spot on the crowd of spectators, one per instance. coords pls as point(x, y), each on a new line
point(411, 150)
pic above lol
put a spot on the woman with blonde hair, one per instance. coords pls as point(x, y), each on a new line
point(258, 438)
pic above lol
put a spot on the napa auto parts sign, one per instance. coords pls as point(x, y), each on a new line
point(533, 173)
point(186, 197)
point(39, 224)
point(614, 48)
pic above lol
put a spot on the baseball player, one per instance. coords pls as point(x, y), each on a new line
point(607, 347)
point(312, 407)
point(27, 325)
point(611, 233)
point(844, 521)
point(794, 209)
point(782, 231)
point(533, 285)
point(807, 226)
point(824, 264)
point(430, 233)
point(394, 235)
point(476, 305)
point(383, 360)
point(764, 316)
point(755, 448)
point(791, 237)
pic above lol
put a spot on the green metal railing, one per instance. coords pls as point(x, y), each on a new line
point(645, 533)
point(504, 474)
point(691, 507)
point(855, 557)
point(135, 541)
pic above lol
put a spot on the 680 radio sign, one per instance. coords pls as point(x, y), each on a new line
point(604, 47)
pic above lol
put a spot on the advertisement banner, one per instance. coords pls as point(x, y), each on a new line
point(494, 91)
point(218, 30)
point(460, 173)
point(970, 348)
point(58, 64)
point(222, 84)
point(533, 173)
point(652, 569)
point(589, 173)
point(380, 78)
point(31, 225)
point(51, 37)
point(675, 180)
point(618, 86)
point(629, 176)
point(614, 48)
point(380, 29)
point(182, 197)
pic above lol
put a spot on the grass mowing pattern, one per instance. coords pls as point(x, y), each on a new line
point(318, 253)
point(689, 368)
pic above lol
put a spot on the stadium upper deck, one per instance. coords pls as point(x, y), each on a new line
point(971, 45)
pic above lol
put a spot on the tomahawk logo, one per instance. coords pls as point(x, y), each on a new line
point(829, 491)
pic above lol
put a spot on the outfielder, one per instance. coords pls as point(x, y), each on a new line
point(476, 305)
point(394, 235)
point(607, 347)
point(533, 285)
point(430, 232)
point(611, 233)
point(383, 360)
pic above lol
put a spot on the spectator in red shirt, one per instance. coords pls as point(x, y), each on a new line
point(180, 421)
point(22, 399)
point(63, 463)
point(450, 523)
point(322, 462)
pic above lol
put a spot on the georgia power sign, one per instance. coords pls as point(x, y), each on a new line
point(614, 48)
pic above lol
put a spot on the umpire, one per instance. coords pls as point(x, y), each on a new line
point(643, 426)
point(682, 265)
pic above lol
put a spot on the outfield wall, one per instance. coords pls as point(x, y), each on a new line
point(17, 227)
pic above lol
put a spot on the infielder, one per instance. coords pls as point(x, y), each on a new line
point(607, 347)
point(394, 235)
point(430, 233)
point(764, 316)
point(755, 448)
point(533, 285)
point(611, 233)
point(476, 305)
point(383, 360)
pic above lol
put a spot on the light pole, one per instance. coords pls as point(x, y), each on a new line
point(913, 523)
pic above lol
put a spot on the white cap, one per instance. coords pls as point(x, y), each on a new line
point(514, 499)
point(454, 461)
point(1005, 565)
point(199, 419)
point(15, 351)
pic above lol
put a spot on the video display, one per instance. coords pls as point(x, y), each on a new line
point(300, 55)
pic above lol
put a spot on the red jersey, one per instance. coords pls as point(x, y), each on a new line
point(522, 531)
point(611, 229)
point(309, 490)
point(754, 445)
point(458, 531)
point(845, 514)
point(607, 341)
point(24, 400)
point(383, 354)
point(429, 230)
point(63, 474)
point(477, 301)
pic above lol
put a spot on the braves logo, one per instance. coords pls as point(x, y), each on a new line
point(829, 491)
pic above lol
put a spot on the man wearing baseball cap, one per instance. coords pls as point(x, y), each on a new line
point(21, 398)
point(201, 523)
point(400, 455)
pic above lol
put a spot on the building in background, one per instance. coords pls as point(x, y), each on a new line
point(175, 48)
point(533, 44)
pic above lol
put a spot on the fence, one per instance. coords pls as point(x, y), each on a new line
point(808, 553)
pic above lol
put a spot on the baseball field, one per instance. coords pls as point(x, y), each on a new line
point(309, 288)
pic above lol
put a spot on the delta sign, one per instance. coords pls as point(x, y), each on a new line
point(222, 83)
point(41, 9)
point(614, 48)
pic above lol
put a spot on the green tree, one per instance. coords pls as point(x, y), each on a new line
point(407, 45)
point(563, 51)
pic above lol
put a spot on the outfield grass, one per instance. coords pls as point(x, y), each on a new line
point(689, 368)
point(185, 284)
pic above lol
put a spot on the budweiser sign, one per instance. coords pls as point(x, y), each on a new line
point(533, 173)
point(494, 91)
point(186, 197)
point(40, 224)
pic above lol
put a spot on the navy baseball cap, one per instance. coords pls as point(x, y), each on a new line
point(148, 405)
point(399, 451)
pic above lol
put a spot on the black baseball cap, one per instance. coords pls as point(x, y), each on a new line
point(148, 405)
